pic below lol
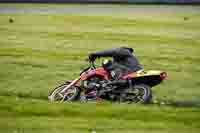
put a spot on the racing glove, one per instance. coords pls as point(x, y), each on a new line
point(92, 57)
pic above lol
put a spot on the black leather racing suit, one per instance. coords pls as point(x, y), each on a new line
point(124, 61)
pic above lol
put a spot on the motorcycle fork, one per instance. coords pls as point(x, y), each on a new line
point(71, 84)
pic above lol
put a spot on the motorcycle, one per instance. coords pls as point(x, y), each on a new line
point(93, 85)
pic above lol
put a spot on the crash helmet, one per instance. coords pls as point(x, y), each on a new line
point(107, 64)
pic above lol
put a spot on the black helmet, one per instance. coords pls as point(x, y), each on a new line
point(107, 64)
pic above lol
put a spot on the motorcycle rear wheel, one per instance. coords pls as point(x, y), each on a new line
point(70, 94)
point(140, 93)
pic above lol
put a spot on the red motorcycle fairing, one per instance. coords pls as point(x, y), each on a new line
point(95, 72)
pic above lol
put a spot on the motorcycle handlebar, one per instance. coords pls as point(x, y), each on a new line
point(91, 62)
point(92, 65)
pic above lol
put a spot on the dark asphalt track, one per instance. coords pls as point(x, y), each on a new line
point(87, 9)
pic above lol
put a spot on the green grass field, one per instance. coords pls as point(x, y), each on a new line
point(40, 51)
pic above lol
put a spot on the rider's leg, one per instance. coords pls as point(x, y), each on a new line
point(116, 78)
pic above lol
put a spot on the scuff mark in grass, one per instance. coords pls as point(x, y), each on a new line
point(23, 64)
point(24, 95)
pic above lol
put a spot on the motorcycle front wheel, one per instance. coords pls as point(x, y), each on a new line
point(71, 94)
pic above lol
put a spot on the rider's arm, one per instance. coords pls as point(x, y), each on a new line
point(105, 53)
point(115, 52)
point(123, 52)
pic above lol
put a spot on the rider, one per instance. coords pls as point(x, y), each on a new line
point(124, 61)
